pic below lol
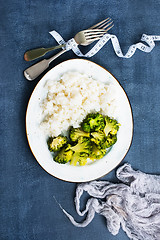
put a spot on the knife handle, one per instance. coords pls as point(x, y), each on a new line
point(35, 70)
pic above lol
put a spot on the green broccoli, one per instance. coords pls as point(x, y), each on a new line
point(83, 145)
point(83, 159)
point(63, 156)
point(56, 143)
point(79, 157)
point(110, 140)
point(74, 159)
point(75, 133)
point(93, 122)
point(111, 126)
point(97, 152)
point(97, 137)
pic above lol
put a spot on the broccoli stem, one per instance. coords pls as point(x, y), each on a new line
point(74, 159)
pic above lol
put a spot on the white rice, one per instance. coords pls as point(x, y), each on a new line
point(71, 98)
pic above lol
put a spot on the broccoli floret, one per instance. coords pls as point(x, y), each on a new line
point(75, 133)
point(86, 127)
point(93, 122)
point(83, 159)
point(97, 137)
point(79, 157)
point(109, 141)
point(83, 145)
point(111, 126)
point(56, 143)
point(97, 152)
point(63, 156)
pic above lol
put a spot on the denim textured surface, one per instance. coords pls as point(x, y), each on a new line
point(28, 209)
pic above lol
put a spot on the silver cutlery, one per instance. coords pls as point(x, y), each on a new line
point(39, 52)
point(84, 38)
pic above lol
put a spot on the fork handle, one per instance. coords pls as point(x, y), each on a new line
point(39, 52)
point(35, 70)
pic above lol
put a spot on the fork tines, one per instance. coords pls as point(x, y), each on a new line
point(98, 30)
point(106, 24)
point(94, 35)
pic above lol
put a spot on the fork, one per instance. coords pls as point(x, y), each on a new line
point(84, 38)
point(39, 52)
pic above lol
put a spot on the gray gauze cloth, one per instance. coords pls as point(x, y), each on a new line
point(133, 204)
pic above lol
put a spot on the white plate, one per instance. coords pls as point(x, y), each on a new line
point(37, 141)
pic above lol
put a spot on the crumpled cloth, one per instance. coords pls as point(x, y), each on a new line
point(133, 204)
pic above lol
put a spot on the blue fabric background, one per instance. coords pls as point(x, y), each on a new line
point(28, 209)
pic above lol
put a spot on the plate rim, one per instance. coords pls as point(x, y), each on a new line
point(132, 120)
